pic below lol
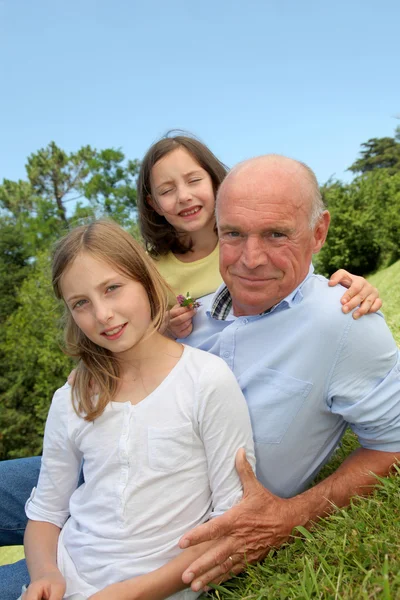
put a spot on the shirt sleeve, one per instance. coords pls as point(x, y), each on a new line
point(225, 427)
point(60, 469)
point(365, 384)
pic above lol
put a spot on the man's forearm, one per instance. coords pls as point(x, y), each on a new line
point(355, 476)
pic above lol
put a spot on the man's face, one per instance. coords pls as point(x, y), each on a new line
point(266, 244)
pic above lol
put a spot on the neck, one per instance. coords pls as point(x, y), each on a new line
point(203, 243)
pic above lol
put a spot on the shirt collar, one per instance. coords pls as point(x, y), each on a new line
point(222, 302)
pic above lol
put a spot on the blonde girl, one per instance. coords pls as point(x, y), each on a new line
point(157, 440)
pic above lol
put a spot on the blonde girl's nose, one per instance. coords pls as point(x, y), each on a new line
point(103, 312)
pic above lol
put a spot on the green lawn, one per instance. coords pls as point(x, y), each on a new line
point(388, 283)
point(11, 554)
point(353, 555)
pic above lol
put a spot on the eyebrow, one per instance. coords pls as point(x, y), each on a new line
point(101, 285)
point(188, 174)
point(281, 228)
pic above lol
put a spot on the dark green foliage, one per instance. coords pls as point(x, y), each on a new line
point(379, 153)
point(35, 364)
point(364, 233)
point(111, 185)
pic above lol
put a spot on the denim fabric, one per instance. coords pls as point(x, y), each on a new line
point(17, 478)
point(12, 578)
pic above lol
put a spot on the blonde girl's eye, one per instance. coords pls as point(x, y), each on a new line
point(79, 304)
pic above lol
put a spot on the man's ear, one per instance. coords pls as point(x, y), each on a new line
point(321, 231)
point(154, 205)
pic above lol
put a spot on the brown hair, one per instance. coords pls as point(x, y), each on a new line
point(159, 236)
point(98, 369)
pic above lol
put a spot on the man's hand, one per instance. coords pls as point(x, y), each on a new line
point(180, 321)
point(360, 293)
point(244, 534)
point(50, 586)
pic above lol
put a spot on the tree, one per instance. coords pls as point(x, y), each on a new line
point(365, 223)
point(33, 364)
point(379, 153)
point(111, 186)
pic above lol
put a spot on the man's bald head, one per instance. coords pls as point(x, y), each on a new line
point(259, 168)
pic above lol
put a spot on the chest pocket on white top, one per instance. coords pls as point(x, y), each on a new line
point(274, 399)
point(169, 448)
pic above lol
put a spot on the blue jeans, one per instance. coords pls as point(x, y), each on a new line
point(17, 478)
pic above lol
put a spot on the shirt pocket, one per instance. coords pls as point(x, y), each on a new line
point(169, 449)
point(274, 400)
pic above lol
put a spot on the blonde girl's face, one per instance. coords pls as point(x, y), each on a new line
point(112, 310)
point(182, 192)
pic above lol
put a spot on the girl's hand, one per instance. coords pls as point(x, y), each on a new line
point(360, 293)
point(180, 321)
point(50, 586)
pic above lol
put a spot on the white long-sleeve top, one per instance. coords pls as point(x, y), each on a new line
point(152, 471)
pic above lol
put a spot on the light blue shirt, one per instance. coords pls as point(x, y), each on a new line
point(308, 371)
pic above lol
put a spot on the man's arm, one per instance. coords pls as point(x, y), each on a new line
point(262, 521)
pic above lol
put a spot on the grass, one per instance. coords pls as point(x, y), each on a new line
point(352, 555)
point(11, 554)
point(388, 283)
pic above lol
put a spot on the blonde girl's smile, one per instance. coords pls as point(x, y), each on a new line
point(114, 333)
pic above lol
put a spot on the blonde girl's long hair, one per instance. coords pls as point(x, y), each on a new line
point(98, 370)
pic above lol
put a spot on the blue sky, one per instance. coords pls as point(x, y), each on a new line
point(305, 78)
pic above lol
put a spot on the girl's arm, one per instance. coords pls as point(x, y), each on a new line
point(360, 293)
point(48, 507)
point(40, 543)
point(158, 584)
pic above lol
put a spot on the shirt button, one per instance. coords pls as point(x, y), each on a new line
point(226, 355)
point(245, 321)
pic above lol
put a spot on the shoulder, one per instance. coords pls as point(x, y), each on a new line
point(206, 365)
point(162, 260)
point(61, 403)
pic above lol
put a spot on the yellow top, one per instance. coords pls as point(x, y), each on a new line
point(199, 278)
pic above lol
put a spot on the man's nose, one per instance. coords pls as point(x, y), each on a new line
point(254, 253)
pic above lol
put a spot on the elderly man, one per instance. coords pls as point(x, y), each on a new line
point(306, 369)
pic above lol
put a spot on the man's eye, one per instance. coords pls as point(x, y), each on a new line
point(277, 234)
point(232, 234)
